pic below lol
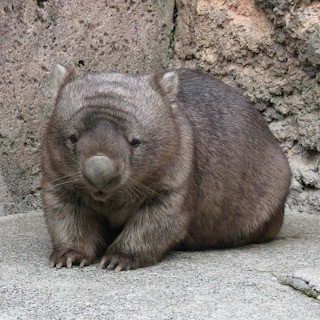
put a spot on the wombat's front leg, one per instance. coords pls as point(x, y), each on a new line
point(154, 230)
point(74, 237)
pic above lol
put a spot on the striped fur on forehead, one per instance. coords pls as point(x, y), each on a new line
point(99, 108)
point(133, 94)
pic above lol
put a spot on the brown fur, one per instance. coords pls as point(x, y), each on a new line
point(193, 166)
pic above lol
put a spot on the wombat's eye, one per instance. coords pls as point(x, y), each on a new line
point(135, 143)
point(73, 138)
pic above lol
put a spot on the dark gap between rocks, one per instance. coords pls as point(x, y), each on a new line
point(40, 3)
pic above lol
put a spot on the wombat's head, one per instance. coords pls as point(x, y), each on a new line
point(109, 131)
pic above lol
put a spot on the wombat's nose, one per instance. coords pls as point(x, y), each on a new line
point(100, 170)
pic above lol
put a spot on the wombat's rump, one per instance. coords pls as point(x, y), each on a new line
point(134, 166)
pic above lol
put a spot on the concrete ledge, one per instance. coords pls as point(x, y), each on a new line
point(225, 284)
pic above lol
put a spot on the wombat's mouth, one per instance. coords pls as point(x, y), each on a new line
point(99, 195)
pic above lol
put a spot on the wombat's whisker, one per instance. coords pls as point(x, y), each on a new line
point(134, 191)
point(138, 187)
point(71, 157)
point(77, 174)
point(66, 183)
point(145, 190)
point(131, 194)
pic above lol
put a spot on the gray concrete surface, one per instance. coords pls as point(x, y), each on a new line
point(242, 283)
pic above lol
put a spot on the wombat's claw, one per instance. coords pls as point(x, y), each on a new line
point(113, 264)
point(84, 263)
point(68, 260)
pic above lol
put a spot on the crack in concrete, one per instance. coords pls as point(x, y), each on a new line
point(301, 285)
point(296, 283)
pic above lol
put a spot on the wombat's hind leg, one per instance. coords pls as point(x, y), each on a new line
point(270, 229)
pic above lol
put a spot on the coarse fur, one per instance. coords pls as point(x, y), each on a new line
point(135, 166)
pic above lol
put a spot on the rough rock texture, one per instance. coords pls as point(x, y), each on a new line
point(270, 49)
point(127, 36)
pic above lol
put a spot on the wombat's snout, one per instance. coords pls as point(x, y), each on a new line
point(100, 170)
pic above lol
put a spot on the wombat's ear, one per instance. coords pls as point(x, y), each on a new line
point(168, 83)
point(64, 74)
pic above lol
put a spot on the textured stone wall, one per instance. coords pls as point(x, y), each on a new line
point(270, 49)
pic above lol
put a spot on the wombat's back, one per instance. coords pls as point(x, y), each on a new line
point(241, 175)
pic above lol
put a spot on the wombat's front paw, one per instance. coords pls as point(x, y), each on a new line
point(67, 258)
point(119, 262)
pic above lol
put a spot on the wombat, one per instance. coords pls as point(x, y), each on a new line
point(137, 165)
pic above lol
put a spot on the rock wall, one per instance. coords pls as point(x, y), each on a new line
point(270, 49)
